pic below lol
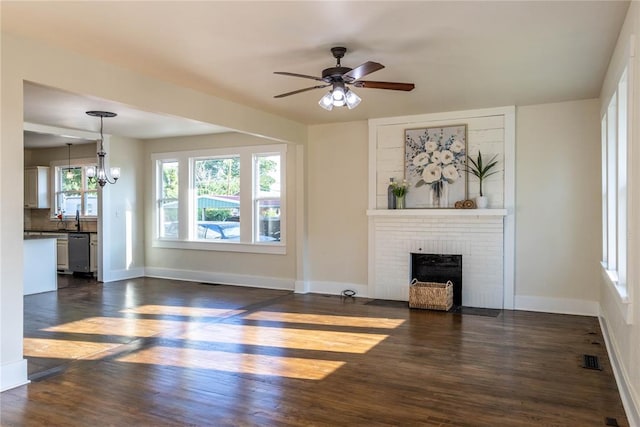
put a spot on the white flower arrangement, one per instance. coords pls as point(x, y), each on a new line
point(399, 189)
point(441, 161)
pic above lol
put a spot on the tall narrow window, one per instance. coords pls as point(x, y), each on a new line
point(168, 203)
point(267, 195)
point(612, 185)
point(615, 144)
point(621, 191)
point(605, 169)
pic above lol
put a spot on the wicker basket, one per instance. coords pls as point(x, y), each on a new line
point(431, 295)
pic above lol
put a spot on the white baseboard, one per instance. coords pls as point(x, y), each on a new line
point(336, 288)
point(13, 375)
point(115, 275)
point(631, 405)
point(557, 305)
point(301, 287)
point(222, 278)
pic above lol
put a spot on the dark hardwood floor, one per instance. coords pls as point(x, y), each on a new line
point(151, 352)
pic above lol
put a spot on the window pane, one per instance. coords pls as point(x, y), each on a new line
point(612, 184)
point(69, 202)
point(622, 180)
point(268, 220)
point(71, 179)
point(267, 191)
point(91, 203)
point(216, 203)
point(268, 176)
point(605, 221)
point(168, 203)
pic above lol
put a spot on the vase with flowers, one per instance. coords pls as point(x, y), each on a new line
point(399, 189)
point(482, 170)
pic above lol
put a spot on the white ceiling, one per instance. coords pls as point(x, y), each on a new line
point(54, 107)
point(459, 54)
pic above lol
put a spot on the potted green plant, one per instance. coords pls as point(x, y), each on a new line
point(482, 171)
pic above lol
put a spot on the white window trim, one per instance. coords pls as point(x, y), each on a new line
point(54, 182)
point(185, 161)
point(622, 293)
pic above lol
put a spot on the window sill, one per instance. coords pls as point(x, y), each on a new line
point(619, 295)
point(256, 248)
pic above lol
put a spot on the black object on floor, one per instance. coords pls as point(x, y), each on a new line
point(591, 362)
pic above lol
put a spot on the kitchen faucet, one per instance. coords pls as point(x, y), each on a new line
point(77, 220)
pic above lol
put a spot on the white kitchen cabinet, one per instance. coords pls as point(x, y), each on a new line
point(93, 253)
point(63, 254)
point(36, 187)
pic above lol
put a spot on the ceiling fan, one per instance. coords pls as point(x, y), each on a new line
point(340, 77)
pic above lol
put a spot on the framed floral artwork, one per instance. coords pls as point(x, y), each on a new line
point(435, 166)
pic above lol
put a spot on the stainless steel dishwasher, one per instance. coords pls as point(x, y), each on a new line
point(79, 252)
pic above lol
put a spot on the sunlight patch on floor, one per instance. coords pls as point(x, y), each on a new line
point(304, 339)
point(65, 349)
point(256, 364)
point(171, 310)
point(120, 326)
point(326, 319)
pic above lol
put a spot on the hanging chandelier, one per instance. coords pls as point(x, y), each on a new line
point(100, 174)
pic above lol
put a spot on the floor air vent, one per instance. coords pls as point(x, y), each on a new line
point(591, 362)
point(611, 422)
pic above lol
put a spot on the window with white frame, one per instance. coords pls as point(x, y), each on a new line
point(221, 199)
point(614, 131)
point(168, 202)
point(74, 191)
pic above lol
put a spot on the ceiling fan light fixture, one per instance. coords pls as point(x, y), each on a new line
point(352, 99)
point(338, 91)
point(326, 101)
point(338, 77)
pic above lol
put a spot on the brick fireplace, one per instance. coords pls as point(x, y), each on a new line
point(476, 235)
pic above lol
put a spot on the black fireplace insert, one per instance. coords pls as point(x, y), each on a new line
point(439, 268)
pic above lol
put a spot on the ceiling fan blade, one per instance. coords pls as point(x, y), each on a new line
point(304, 76)
point(300, 90)
point(384, 85)
point(362, 70)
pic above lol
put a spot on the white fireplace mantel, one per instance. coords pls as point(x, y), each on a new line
point(436, 212)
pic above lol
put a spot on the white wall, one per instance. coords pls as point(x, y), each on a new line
point(24, 59)
point(558, 207)
point(125, 211)
point(44, 156)
point(219, 266)
point(621, 319)
point(337, 162)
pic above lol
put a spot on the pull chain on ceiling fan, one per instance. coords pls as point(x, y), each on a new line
point(340, 77)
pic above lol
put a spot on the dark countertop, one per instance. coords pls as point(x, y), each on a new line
point(59, 231)
point(38, 237)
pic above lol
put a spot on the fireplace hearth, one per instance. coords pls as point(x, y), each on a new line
point(439, 268)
